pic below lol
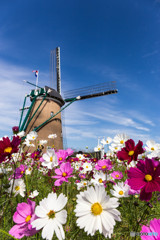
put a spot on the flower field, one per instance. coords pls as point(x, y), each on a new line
point(59, 194)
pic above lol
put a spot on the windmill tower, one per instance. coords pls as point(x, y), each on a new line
point(44, 113)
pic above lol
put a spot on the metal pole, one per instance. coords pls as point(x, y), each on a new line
point(34, 113)
point(22, 111)
point(29, 110)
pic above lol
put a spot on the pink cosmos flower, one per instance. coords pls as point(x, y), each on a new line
point(130, 151)
point(104, 165)
point(19, 172)
point(63, 173)
point(23, 217)
point(153, 230)
point(145, 177)
point(117, 175)
point(61, 155)
point(69, 151)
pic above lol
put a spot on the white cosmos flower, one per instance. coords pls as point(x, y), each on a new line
point(152, 148)
point(28, 143)
point(34, 194)
point(81, 184)
point(115, 147)
point(28, 171)
point(80, 156)
point(51, 216)
point(32, 135)
point(107, 141)
point(50, 159)
point(21, 134)
point(18, 187)
point(87, 167)
point(42, 142)
point(98, 179)
point(97, 211)
point(120, 139)
point(52, 136)
point(120, 190)
point(98, 148)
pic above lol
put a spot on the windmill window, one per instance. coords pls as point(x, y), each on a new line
point(52, 113)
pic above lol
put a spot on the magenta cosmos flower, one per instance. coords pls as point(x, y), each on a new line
point(153, 230)
point(63, 173)
point(23, 217)
point(61, 155)
point(117, 175)
point(8, 147)
point(130, 151)
point(104, 165)
point(145, 177)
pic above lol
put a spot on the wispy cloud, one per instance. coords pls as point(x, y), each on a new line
point(149, 54)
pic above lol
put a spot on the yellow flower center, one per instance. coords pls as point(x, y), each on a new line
point(51, 214)
point(33, 137)
point(22, 172)
point(29, 169)
point(84, 184)
point(120, 192)
point(104, 167)
point(51, 159)
point(17, 188)
point(115, 148)
point(8, 150)
point(86, 166)
point(131, 153)
point(148, 178)
point(64, 174)
point(121, 142)
point(96, 209)
point(99, 148)
point(152, 148)
point(60, 159)
point(28, 218)
point(100, 180)
point(154, 168)
point(53, 146)
point(117, 175)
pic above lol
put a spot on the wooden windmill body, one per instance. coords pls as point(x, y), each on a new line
point(44, 113)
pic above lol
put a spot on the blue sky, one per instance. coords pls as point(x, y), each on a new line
point(100, 41)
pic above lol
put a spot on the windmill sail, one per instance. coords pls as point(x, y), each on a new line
point(91, 91)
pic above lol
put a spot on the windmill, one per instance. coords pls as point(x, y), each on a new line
point(44, 113)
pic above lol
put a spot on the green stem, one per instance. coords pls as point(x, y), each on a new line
point(2, 231)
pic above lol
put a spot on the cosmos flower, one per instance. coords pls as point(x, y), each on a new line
point(23, 218)
point(34, 194)
point(51, 216)
point(130, 151)
point(145, 177)
point(120, 190)
point(87, 167)
point(98, 178)
point(50, 159)
point(104, 165)
point(95, 210)
point(63, 173)
point(28, 143)
point(153, 230)
point(52, 136)
point(117, 175)
point(120, 139)
point(20, 171)
point(32, 136)
point(61, 155)
point(8, 147)
point(18, 186)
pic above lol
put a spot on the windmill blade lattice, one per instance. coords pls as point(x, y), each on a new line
point(91, 91)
